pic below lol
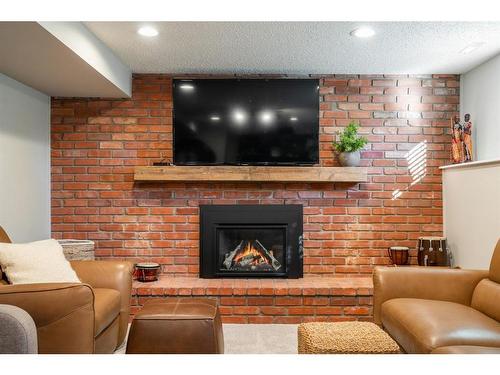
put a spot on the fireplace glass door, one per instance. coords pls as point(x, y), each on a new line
point(251, 249)
point(263, 241)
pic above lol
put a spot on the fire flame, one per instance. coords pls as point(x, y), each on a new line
point(251, 250)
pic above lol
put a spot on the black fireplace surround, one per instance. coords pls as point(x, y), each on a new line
point(251, 241)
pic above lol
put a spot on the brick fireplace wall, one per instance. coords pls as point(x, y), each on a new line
point(96, 143)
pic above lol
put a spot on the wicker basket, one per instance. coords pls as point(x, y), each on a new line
point(78, 249)
point(344, 338)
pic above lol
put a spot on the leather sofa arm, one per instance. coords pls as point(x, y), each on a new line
point(110, 274)
point(443, 284)
point(63, 314)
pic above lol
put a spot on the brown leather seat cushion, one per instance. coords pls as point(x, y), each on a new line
point(421, 325)
point(179, 309)
point(106, 307)
point(464, 349)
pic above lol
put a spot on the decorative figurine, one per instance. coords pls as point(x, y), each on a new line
point(467, 138)
point(457, 147)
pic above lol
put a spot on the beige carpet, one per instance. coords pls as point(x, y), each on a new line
point(256, 339)
point(260, 338)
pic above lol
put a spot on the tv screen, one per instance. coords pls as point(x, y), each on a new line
point(246, 121)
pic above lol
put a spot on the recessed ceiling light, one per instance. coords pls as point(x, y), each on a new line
point(363, 32)
point(215, 118)
point(147, 31)
point(294, 119)
point(471, 48)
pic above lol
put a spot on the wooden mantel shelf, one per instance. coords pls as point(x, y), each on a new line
point(250, 174)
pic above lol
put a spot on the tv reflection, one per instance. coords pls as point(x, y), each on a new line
point(264, 137)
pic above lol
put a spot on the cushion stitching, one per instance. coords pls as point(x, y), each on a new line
point(38, 291)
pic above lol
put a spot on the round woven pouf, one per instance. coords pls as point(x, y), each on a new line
point(344, 338)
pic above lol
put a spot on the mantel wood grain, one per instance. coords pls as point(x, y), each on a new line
point(251, 173)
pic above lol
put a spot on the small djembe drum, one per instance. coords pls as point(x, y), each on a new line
point(399, 255)
point(433, 251)
point(146, 272)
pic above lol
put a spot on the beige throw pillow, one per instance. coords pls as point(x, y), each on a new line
point(36, 262)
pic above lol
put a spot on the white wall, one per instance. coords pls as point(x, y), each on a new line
point(480, 96)
point(471, 197)
point(24, 161)
point(471, 192)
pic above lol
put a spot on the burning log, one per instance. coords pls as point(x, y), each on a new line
point(274, 262)
point(247, 260)
point(251, 254)
point(228, 261)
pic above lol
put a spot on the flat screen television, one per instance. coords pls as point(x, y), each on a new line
point(246, 121)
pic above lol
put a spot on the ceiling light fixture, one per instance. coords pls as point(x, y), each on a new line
point(471, 48)
point(215, 118)
point(147, 31)
point(363, 32)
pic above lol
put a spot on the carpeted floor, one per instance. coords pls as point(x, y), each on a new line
point(256, 339)
point(260, 338)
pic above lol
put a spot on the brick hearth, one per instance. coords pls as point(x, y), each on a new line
point(270, 300)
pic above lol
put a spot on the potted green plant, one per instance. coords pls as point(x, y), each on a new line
point(348, 146)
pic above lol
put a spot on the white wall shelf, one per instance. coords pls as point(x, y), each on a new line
point(471, 164)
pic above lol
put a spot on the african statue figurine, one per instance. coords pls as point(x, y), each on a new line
point(457, 147)
point(467, 138)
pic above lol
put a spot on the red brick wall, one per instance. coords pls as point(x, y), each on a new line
point(97, 142)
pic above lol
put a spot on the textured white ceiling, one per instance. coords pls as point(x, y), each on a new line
point(300, 47)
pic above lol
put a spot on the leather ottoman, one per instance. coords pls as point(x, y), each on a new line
point(177, 326)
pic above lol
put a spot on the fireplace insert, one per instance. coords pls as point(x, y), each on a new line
point(251, 241)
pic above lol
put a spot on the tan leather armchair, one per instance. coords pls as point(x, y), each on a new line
point(77, 318)
point(438, 310)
